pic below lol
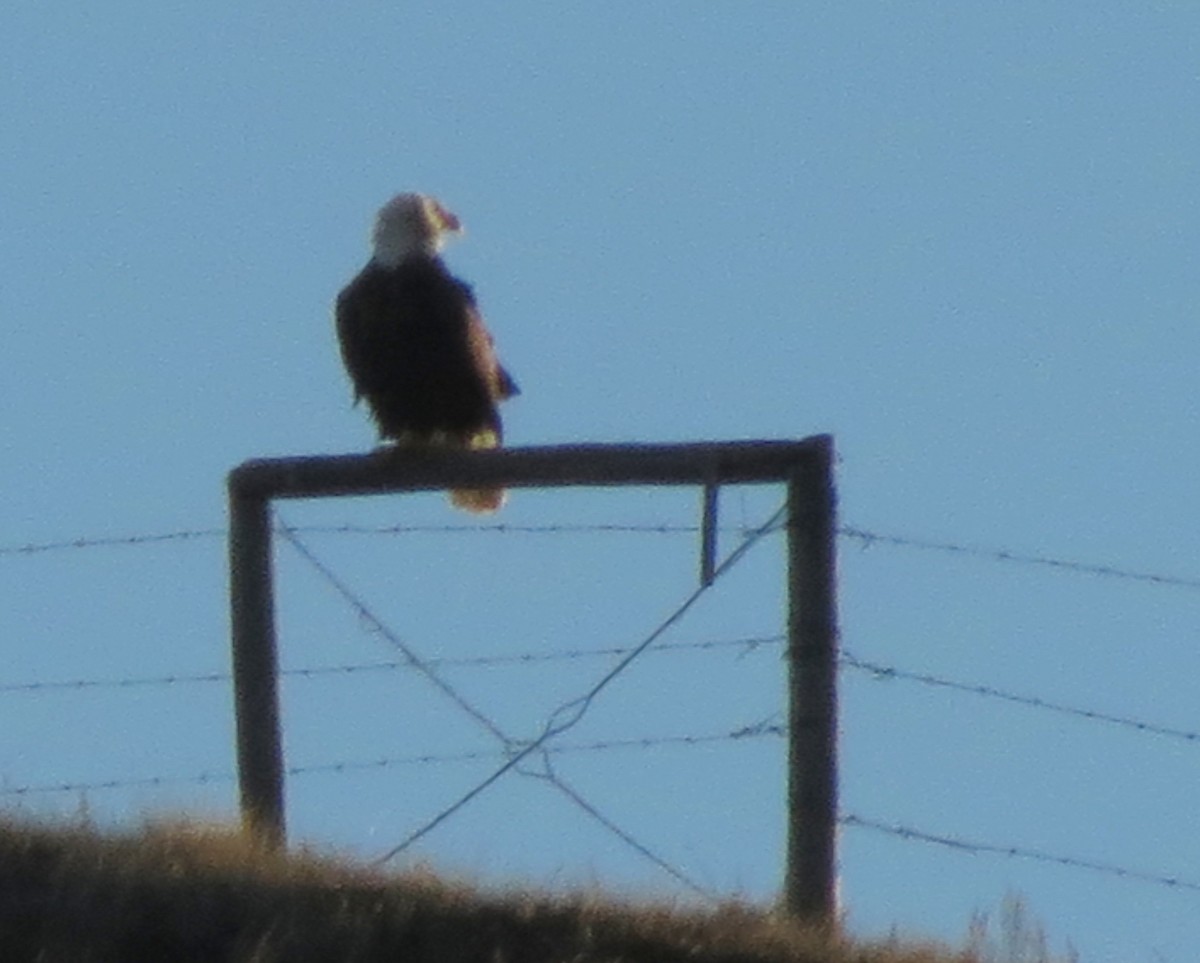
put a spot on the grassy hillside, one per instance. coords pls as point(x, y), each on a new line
point(183, 894)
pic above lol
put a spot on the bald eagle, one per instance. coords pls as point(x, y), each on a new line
point(415, 345)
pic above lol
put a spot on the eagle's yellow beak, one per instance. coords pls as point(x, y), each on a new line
point(447, 221)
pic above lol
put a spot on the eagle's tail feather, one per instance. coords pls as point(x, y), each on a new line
point(480, 501)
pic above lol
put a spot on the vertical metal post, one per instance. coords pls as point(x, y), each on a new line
point(255, 665)
point(811, 873)
point(708, 535)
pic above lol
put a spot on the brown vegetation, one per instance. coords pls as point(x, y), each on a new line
point(182, 893)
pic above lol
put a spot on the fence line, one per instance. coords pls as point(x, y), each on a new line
point(516, 753)
point(499, 528)
point(755, 730)
point(744, 733)
point(866, 537)
point(747, 644)
point(849, 820)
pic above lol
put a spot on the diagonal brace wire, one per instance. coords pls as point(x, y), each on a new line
point(571, 713)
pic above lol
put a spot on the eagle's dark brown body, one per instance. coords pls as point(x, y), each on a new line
point(417, 350)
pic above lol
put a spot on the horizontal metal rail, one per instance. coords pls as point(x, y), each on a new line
point(387, 470)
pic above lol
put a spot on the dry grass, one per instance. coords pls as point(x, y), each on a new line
point(183, 893)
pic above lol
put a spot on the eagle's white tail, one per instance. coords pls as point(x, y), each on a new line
point(480, 501)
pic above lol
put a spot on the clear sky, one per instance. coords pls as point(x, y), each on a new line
point(960, 237)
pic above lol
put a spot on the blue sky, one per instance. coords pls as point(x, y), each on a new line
point(961, 238)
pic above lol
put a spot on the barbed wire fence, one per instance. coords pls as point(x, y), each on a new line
point(865, 537)
point(511, 754)
point(562, 719)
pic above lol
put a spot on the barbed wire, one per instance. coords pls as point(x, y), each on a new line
point(131, 682)
point(849, 820)
point(510, 746)
point(498, 528)
point(747, 644)
point(869, 539)
point(572, 712)
point(885, 672)
point(108, 541)
point(1019, 852)
point(414, 661)
point(136, 782)
point(757, 730)
point(866, 537)
point(509, 528)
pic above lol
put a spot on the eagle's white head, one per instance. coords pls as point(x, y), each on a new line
point(411, 224)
